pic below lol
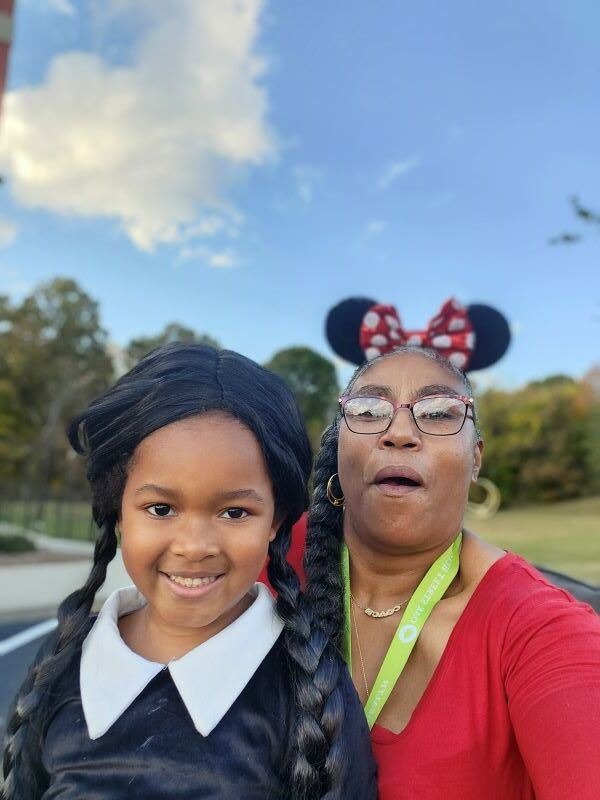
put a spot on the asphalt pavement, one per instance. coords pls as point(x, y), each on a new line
point(14, 665)
point(30, 594)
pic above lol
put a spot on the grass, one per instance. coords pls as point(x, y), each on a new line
point(65, 519)
point(563, 536)
point(10, 543)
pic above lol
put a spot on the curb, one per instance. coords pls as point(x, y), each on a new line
point(35, 590)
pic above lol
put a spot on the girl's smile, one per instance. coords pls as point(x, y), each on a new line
point(192, 586)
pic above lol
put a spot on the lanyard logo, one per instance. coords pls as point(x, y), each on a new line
point(408, 633)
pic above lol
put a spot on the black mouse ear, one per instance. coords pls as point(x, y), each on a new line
point(342, 327)
point(492, 336)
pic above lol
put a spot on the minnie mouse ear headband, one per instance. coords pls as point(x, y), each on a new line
point(471, 337)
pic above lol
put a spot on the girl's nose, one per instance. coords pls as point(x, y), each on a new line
point(196, 541)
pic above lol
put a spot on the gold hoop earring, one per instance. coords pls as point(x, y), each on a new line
point(335, 501)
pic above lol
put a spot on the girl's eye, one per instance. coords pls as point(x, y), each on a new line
point(234, 513)
point(160, 510)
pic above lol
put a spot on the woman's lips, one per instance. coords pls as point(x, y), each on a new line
point(180, 586)
point(398, 480)
point(396, 489)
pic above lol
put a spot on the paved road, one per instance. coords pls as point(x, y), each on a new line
point(13, 666)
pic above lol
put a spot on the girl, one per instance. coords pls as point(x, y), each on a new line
point(193, 683)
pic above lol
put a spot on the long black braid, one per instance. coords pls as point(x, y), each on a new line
point(324, 543)
point(24, 775)
point(318, 764)
point(173, 383)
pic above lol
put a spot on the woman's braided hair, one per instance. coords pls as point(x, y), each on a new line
point(172, 383)
point(325, 522)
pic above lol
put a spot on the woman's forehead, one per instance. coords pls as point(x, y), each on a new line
point(408, 373)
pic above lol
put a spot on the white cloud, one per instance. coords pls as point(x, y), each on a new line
point(213, 225)
point(155, 144)
point(391, 172)
point(307, 179)
point(375, 227)
point(63, 7)
point(222, 260)
point(218, 259)
point(9, 231)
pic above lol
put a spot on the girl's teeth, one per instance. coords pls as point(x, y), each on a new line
point(192, 582)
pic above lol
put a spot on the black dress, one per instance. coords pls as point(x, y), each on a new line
point(154, 751)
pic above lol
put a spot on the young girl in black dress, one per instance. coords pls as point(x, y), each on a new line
point(195, 683)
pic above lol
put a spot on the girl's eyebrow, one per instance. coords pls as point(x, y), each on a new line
point(239, 494)
point(173, 494)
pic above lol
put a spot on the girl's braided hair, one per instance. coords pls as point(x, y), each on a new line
point(172, 383)
point(325, 522)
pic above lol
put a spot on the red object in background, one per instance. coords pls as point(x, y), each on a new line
point(296, 552)
point(6, 28)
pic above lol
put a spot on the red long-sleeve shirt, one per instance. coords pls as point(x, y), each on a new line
point(512, 711)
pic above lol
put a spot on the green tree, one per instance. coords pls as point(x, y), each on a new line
point(173, 332)
point(313, 382)
point(53, 361)
point(591, 390)
point(537, 441)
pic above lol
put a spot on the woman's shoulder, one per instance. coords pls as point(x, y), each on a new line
point(528, 614)
point(507, 583)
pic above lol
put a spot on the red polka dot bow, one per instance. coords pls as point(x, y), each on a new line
point(450, 332)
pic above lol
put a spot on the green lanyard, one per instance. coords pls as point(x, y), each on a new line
point(427, 595)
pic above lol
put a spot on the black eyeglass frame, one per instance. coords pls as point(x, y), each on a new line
point(344, 399)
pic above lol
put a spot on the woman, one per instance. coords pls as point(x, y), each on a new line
point(497, 696)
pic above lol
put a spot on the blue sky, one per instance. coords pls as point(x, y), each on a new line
point(242, 165)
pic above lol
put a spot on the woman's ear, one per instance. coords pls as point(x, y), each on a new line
point(477, 459)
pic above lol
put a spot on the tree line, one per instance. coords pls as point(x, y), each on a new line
point(542, 441)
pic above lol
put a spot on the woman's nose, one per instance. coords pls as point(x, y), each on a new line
point(402, 432)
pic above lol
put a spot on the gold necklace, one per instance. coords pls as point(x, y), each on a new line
point(362, 663)
point(379, 614)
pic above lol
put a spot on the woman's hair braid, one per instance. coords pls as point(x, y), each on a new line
point(323, 546)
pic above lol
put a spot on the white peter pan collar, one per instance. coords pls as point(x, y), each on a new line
point(209, 678)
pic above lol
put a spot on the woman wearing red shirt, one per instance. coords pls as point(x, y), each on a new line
point(480, 680)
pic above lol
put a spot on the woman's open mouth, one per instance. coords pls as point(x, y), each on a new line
point(398, 481)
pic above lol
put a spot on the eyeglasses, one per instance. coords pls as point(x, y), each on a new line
point(437, 415)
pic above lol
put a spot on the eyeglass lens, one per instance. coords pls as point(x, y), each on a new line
point(440, 416)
